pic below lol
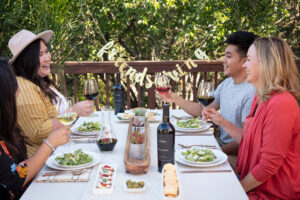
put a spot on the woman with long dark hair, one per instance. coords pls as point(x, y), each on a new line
point(15, 170)
point(38, 97)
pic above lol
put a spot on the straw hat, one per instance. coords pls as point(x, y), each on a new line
point(23, 38)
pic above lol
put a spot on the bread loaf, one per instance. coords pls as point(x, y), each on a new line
point(170, 180)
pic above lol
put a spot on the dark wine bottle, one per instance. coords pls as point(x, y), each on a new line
point(119, 96)
point(165, 140)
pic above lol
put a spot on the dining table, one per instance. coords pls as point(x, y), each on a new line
point(207, 183)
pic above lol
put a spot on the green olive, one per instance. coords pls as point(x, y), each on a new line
point(133, 184)
point(141, 184)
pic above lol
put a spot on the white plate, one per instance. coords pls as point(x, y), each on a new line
point(52, 163)
point(156, 118)
point(92, 115)
point(215, 152)
point(181, 129)
point(223, 158)
point(120, 115)
point(134, 190)
point(77, 132)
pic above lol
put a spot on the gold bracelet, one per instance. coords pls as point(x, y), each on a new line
point(49, 144)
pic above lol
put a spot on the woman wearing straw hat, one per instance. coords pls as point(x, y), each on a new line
point(36, 102)
point(15, 169)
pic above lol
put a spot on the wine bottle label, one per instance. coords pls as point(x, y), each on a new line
point(165, 147)
point(119, 101)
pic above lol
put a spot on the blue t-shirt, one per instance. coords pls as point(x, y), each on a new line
point(235, 103)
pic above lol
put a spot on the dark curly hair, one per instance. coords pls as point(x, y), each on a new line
point(242, 40)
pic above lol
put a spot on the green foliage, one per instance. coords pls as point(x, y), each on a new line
point(146, 29)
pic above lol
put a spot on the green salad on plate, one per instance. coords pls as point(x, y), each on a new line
point(198, 155)
point(74, 159)
point(89, 126)
point(190, 123)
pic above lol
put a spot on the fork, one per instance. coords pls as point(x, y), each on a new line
point(199, 145)
point(86, 136)
point(181, 118)
point(74, 172)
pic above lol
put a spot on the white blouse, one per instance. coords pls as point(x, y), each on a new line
point(61, 102)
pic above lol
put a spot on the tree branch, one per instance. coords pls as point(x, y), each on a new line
point(120, 40)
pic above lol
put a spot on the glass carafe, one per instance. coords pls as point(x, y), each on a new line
point(107, 139)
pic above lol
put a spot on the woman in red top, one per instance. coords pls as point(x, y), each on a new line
point(269, 153)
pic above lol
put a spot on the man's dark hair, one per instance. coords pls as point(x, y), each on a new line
point(242, 40)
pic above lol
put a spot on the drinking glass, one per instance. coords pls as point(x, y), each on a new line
point(205, 93)
point(107, 139)
point(65, 113)
point(162, 83)
point(105, 115)
point(90, 89)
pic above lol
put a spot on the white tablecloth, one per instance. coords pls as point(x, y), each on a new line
point(208, 186)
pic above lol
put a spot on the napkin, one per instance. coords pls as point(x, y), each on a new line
point(61, 176)
point(206, 132)
point(82, 139)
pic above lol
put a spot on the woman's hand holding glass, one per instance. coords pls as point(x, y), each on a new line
point(59, 136)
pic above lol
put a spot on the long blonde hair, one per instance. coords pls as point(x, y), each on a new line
point(277, 68)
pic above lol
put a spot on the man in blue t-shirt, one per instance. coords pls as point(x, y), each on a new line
point(233, 96)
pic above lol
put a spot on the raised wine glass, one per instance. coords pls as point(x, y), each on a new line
point(90, 89)
point(65, 113)
point(162, 83)
point(205, 93)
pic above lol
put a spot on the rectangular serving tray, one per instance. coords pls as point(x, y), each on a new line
point(99, 191)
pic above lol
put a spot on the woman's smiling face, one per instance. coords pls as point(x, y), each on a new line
point(45, 60)
point(252, 66)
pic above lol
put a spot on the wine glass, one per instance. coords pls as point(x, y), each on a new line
point(205, 93)
point(65, 113)
point(90, 89)
point(162, 83)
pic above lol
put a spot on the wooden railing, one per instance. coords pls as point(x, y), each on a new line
point(106, 70)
